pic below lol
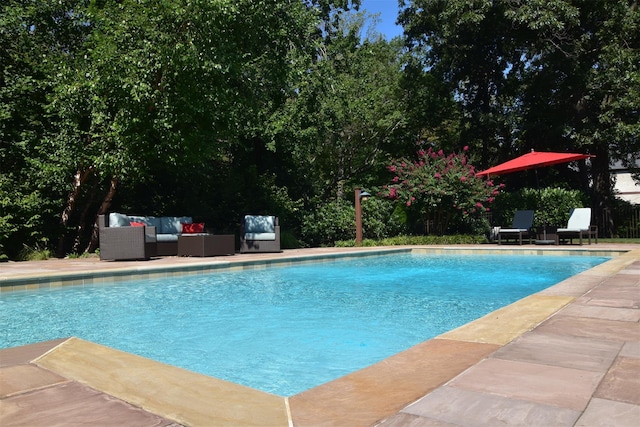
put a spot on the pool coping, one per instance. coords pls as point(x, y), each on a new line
point(364, 397)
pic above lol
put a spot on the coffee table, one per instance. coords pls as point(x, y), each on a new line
point(202, 244)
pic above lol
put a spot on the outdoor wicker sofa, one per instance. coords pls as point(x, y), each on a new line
point(138, 237)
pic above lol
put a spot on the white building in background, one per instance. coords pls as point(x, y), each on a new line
point(626, 188)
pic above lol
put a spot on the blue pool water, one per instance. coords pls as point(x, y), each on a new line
point(285, 329)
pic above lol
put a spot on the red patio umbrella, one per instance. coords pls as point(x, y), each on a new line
point(534, 159)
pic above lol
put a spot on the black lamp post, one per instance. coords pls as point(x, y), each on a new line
point(360, 196)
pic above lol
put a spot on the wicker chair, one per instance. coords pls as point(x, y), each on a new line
point(124, 243)
point(260, 234)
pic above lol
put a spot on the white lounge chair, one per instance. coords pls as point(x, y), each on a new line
point(521, 226)
point(579, 225)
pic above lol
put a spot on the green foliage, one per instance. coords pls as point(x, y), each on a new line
point(288, 240)
point(540, 74)
point(382, 219)
point(217, 108)
point(336, 221)
point(34, 254)
point(552, 206)
point(442, 189)
point(329, 222)
point(344, 112)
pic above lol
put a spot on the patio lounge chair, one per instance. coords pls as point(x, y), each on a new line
point(579, 225)
point(260, 234)
point(521, 226)
point(126, 243)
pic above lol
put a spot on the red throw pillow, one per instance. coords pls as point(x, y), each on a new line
point(196, 227)
point(137, 224)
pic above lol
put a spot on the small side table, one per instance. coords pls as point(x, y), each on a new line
point(202, 245)
point(546, 235)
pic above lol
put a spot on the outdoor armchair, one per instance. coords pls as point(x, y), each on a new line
point(126, 242)
point(259, 233)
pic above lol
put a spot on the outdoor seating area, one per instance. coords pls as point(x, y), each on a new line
point(578, 227)
point(135, 237)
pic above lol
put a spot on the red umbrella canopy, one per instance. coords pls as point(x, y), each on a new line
point(534, 159)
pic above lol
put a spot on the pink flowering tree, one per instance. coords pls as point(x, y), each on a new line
point(441, 189)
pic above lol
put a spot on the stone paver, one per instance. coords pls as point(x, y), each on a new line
point(469, 408)
point(562, 351)
point(622, 382)
point(549, 385)
point(607, 413)
point(23, 378)
point(73, 404)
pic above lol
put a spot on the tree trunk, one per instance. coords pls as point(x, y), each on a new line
point(79, 179)
point(82, 221)
point(603, 193)
point(104, 208)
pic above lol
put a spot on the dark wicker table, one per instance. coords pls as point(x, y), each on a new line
point(206, 244)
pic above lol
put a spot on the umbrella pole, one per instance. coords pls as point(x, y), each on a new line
point(544, 225)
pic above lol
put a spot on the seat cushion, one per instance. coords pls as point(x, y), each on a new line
point(118, 220)
point(167, 237)
point(259, 236)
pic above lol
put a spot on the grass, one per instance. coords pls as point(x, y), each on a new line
point(34, 254)
point(40, 254)
point(457, 239)
point(619, 240)
point(447, 240)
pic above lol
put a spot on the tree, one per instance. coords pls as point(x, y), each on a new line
point(146, 87)
point(345, 113)
point(540, 74)
point(33, 40)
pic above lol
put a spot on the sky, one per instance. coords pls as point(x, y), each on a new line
point(388, 10)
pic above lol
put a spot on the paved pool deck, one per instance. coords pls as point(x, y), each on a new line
point(566, 356)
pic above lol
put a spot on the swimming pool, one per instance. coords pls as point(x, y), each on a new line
point(352, 313)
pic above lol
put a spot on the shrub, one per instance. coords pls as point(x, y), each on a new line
point(336, 221)
point(441, 189)
point(34, 254)
point(328, 223)
point(454, 239)
point(551, 205)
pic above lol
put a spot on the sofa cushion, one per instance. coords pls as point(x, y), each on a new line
point(173, 224)
point(194, 227)
point(118, 220)
point(255, 224)
point(146, 220)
